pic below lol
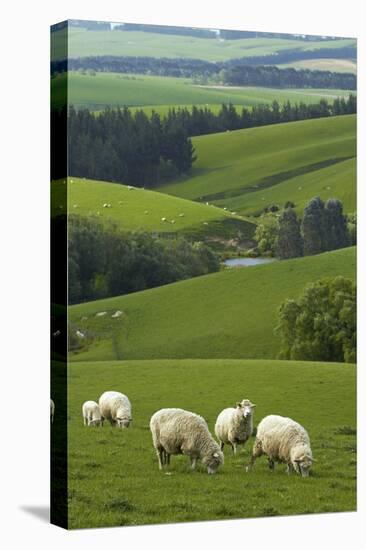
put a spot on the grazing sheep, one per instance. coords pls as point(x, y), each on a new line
point(163, 219)
point(101, 314)
point(115, 407)
point(283, 440)
point(234, 426)
point(176, 431)
point(117, 314)
point(91, 414)
point(80, 334)
point(52, 410)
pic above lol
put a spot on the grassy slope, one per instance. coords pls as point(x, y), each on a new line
point(114, 89)
point(113, 474)
point(230, 314)
point(235, 163)
point(135, 43)
point(137, 209)
point(334, 65)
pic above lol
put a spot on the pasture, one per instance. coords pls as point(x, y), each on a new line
point(115, 89)
point(113, 474)
point(230, 314)
point(83, 43)
point(141, 209)
point(232, 166)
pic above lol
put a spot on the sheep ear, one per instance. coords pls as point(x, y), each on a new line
point(238, 404)
point(314, 460)
point(253, 405)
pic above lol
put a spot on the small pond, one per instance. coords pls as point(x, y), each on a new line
point(248, 262)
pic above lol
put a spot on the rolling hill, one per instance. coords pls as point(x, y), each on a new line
point(231, 314)
point(115, 89)
point(248, 169)
point(82, 43)
point(132, 209)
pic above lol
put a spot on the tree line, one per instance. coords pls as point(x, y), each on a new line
point(104, 261)
point(133, 148)
point(323, 227)
point(243, 72)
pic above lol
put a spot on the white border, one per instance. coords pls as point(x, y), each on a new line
point(25, 258)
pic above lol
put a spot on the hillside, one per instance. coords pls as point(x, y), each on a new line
point(230, 314)
point(135, 209)
point(138, 43)
point(236, 165)
point(115, 89)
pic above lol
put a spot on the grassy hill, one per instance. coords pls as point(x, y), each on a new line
point(135, 209)
point(114, 89)
point(230, 314)
point(248, 166)
point(82, 43)
point(109, 469)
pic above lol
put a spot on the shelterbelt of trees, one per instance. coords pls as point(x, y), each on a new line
point(243, 72)
point(137, 149)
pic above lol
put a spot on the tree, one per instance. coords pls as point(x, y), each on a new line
point(289, 240)
point(313, 227)
point(321, 324)
point(266, 234)
point(335, 225)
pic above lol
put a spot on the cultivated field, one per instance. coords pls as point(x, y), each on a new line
point(140, 209)
point(115, 89)
point(333, 65)
point(230, 314)
point(113, 474)
point(84, 43)
point(235, 165)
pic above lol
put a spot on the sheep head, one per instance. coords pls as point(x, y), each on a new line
point(246, 408)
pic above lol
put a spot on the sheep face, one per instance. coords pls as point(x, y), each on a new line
point(246, 408)
point(213, 461)
point(302, 465)
point(123, 422)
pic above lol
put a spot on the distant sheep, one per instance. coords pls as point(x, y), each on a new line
point(176, 431)
point(52, 407)
point(117, 314)
point(80, 334)
point(234, 425)
point(91, 414)
point(181, 215)
point(115, 407)
point(101, 314)
point(163, 219)
point(283, 440)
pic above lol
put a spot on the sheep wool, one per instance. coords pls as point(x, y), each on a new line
point(176, 431)
point(116, 407)
point(283, 440)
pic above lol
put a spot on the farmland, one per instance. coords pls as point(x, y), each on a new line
point(113, 474)
point(231, 314)
point(234, 165)
point(84, 43)
point(113, 89)
point(140, 209)
point(334, 65)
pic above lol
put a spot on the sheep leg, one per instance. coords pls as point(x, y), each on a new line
point(160, 455)
point(234, 448)
point(256, 453)
point(168, 458)
point(193, 462)
point(84, 421)
point(222, 444)
point(289, 469)
point(271, 464)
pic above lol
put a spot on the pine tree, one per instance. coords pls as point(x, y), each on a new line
point(313, 227)
point(289, 241)
point(336, 225)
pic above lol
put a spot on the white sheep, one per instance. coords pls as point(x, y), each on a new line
point(117, 314)
point(52, 406)
point(283, 440)
point(234, 425)
point(163, 219)
point(101, 314)
point(91, 414)
point(80, 334)
point(176, 431)
point(115, 407)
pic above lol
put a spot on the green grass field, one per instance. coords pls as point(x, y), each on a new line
point(82, 43)
point(230, 314)
point(140, 209)
point(113, 474)
point(248, 169)
point(113, 89)
point(333, 65)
